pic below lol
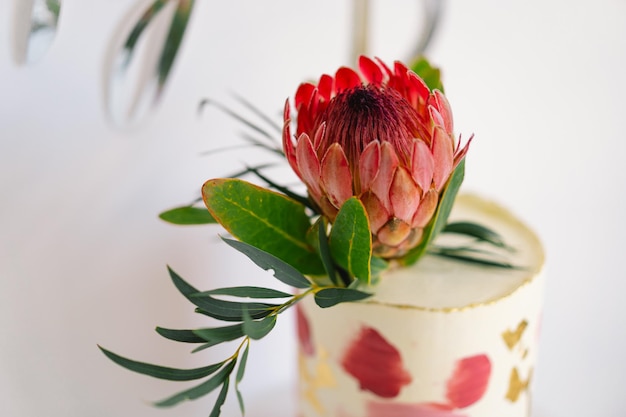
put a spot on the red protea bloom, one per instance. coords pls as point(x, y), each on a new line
point(381, 135)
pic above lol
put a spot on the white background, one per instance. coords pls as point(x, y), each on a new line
point(82, 254)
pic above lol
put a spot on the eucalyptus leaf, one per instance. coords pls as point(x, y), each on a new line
point(221, 398)
point(187, 215)
point(329, 297)
point(186, 336)
point(258, 329)
point(240, 372)
point(269, 221)
point(316, 236)
point(440, 218)
point(283, 271)
point(199, 390)
point(351, 240)
point(246, 291)
point(217, 335)
point(162, 372)
point(477, 231)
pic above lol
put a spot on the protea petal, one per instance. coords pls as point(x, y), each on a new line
point(369, 163)
point(422, 164)
point(426, 209)
point(376, 212)
point(382, 182)
point(288, 145)
point(404, 195)
point(319, 135)
point(308, 165)
point(443, 157)
point(346, 78)
point(304, 94)
point(336, 176)
point(419, 91)
point(370, 70)
point(326, 87)
point(440, 102)
point(394, 232)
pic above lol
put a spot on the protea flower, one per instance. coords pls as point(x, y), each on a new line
point(381, 135)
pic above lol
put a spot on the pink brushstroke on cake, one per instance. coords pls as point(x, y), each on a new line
point(376, 364)
point(304, 332)
point(381, 409)
point(469, 380)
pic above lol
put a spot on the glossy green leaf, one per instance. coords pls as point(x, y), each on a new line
point(440, 218)
point(258, 329)
point(329, 297)
point(186, 336)
point(221, 398)
point(477, 231)
point(282, 270)
point(316, 236)
point(162, 372)
point(431, 75)
point(187, 215)
point(199, 390)
point(264, 219)
point(246, 291)
point(351, 240)
point(217, 335)
point(219, 309)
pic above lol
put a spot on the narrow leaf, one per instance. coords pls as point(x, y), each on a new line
point(220, 334)
point(221, 398)
point(258, 329)
point(162, 372)
point(351, 240)
point(245, 291)
point(329, 297)
point(187, 215)
point(265, 219)
point(282, 270)
point(199, 390)
point(240, 372)
point(477, 231)
point(316, 236)
point(186, 336)
point(440, 218)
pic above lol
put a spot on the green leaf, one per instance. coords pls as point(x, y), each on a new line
point(264, 219)
point(431, 75)
point(351, 240)
point(477, 231)
point(162, 372)
point(245, 291)
point(316, 236)
point(219, 309)
point(378, 265)
point(240, 371)
point(221, 398)
point(187, 215)
point(186, 336)
point(218, 335)
point(329, 297)
point(440, 218)
point(258, 329)
point(282, 270)
point(199, 390)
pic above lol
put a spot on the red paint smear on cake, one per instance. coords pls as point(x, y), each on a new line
point(376, 364)
point(380, 409)
point(304, 332)
point(469, 381)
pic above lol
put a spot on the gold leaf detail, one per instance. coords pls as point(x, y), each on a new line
point(511, 338)
point(517, 386)
point(322, 378)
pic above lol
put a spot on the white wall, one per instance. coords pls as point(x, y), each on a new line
point(82, 254)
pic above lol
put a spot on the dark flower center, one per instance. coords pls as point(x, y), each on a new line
point(360, 115)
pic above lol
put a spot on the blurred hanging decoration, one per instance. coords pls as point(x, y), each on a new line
point(361, 24)
point(35, 25)
point(140, 59)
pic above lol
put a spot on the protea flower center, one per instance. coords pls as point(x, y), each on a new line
point(382, 136)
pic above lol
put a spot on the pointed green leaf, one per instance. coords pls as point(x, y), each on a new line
point(351, 240)
point(440, 218)
point(187, 215)
point(217, 335)
point(316, 236)
point(245, 291)
point(282, 270)
point(258, 329)
point(477, 231)
point(162, 372)
point(240, 371)
point(221, 398)
point(186, 336)
point(264, 219)
point(199, 390)
point(329, 297)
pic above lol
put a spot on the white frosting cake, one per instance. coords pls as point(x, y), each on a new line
point(441, 338)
